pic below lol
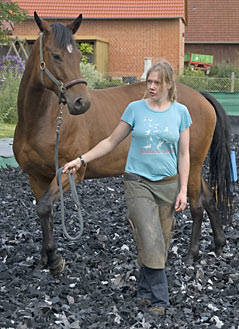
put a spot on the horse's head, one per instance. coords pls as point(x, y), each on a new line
point(60, 64)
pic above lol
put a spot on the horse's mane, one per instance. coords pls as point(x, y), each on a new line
point(62, 35)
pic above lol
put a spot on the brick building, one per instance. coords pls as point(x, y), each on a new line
point(123, 32)
point(213, 29)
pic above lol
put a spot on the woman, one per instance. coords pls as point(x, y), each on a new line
point(156, 175)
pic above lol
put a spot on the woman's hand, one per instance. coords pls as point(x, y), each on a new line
point(72, 166)
point(181, 201)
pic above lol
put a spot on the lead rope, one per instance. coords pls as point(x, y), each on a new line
point(72, 185)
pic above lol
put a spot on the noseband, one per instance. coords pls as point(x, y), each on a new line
point(62, 87)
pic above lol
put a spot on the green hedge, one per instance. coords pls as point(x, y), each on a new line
point(8, 98)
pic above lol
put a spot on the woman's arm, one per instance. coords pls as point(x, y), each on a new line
point(183, 169)
point(102, 148)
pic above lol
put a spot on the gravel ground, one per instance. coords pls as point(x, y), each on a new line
point(97, 289)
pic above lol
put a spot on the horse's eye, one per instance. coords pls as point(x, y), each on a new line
point(56, 57)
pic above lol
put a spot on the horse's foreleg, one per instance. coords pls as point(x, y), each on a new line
point(50, 257)
point(214, 216)
point(39, 185)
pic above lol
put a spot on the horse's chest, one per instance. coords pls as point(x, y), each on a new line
point(33, 159)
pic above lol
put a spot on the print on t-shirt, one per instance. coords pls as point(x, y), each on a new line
point(157, 139)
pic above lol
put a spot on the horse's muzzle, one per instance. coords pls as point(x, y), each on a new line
point(78, 106)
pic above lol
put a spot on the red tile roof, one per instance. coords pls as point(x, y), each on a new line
point(105, 8)
point(212, 21)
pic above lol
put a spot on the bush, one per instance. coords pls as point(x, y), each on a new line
point(11, 70)
point(107, 83)
point(191, 72)
point(8, 98)
point(223, 71)
point(92, 76)
point(95, 79)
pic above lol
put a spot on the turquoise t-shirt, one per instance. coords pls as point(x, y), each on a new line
point(154, 138)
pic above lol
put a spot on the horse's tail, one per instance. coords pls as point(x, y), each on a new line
point(220, 162)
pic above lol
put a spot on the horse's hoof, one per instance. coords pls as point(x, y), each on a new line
point(42, 263)
point(41, 266)
point(189, 260)
point(218, 251)
point(58, 267)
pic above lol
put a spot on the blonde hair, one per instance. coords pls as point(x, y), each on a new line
point(165, 72)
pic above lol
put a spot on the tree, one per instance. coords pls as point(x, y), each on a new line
point(10, 13)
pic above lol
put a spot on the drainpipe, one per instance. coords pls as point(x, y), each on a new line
point(147, 65)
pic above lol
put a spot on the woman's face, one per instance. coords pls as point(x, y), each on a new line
point(157, 90)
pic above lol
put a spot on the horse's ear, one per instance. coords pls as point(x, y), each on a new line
point(43, 25)
point(74, 26)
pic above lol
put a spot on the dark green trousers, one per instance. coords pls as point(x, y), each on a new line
point(151, 215)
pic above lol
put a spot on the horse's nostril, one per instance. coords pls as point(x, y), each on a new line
point(78, 103)
point(78, 106)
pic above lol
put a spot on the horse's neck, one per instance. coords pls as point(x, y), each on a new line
point(31, 77)
point(32, 95)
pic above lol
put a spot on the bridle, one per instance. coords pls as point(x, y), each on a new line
point(62, 87)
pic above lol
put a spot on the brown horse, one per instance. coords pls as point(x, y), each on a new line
point(52, 76)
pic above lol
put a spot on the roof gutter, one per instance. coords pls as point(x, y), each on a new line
point(110, 18)
point(212, 42)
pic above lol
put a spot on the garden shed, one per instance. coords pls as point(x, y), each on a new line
point(123, 32)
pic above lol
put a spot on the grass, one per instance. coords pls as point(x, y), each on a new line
point(7, 130)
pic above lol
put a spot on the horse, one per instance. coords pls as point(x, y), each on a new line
point(52, 81)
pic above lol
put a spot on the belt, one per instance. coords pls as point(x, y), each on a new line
point(135, 177)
